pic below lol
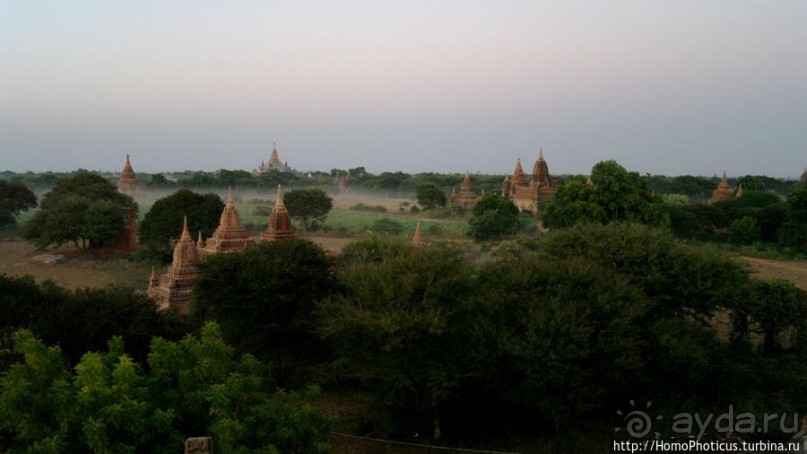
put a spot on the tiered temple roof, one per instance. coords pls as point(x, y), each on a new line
point(274, 163)
point(466, 198)
point(723, 191)
point(230, 234)
point(527, 196)
point(127, 183)
point(174, 288)
point(279, 222)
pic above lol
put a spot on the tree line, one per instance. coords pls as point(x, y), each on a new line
point(540, 337)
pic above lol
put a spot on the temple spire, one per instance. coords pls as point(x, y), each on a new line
point(279, 200)
point(186, 235)
point(540, 153)
point(230, 195)
point(200, 243)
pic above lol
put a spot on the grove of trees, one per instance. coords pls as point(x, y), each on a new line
point(14, 198)
point(85, 209)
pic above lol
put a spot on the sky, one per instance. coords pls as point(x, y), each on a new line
point(663, 87)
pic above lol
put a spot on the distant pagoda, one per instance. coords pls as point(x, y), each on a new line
point(274, 163)
point(279, 223)
point(175, 288)
point(527, 196)
point(127, 183)
point(803, 178)
point(466, 198)
point(723, 191)
point(230, 235)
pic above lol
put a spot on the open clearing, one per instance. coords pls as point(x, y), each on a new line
point(793, 271)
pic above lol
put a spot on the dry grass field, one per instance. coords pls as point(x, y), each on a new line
point(794, 271)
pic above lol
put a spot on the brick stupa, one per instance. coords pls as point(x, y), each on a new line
point(528, 196)
point(174, 288)
point(230, 235)
point(466, 198)
point(127, 183)
point(723, 191)
point(279, 223)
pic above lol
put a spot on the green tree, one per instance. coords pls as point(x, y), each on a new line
point(494, 216)
point(624, 195)
point(574, 202)
point(744, 231)
point(163, 222)
point(84, 209)
point(793, 232)
point(263, 297)
point(14, 198)
point(430, 196)
point(310, 206)
point(402, 324)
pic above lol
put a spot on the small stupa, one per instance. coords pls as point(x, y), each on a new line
point(466, 198)
point(279, 222)
point(739, 191)
point(175, 288)
point(230, 235)
point(803, 178)
point(127, 183)
point(723, 191)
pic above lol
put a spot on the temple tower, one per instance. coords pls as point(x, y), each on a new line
point(518, 175)
point(540, 171)
point(230, 235)
point(466, 198)
point(528, 196)
point(506, 186)
point(803, 178)
point(127, 183)
point(274, 163)
point(723, 191)
point(175, 288)
point(279, 223)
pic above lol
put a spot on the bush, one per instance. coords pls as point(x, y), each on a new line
point(362, 207)
point(414, 209)
point(387, 226)
point(744, 231)
point(494, 216)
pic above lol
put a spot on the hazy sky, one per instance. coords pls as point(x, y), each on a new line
point(672, 87)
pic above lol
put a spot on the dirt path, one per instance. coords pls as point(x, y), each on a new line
point(795, 272)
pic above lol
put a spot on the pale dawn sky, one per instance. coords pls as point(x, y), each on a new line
point(665, 87)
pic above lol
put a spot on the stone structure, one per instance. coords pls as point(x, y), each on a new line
point(723, 191)
point(803, 178)
point(466, 198)
point(279, 222)
point(341, 181)
point(230, 235)
point(273, 164)
point(199, 445)
point(174, 289)
point(417, 239)
point(739, 191)
point(527, 196)
point(127, 183)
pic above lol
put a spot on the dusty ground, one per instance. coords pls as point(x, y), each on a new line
point(793, 271)
point(70, 269)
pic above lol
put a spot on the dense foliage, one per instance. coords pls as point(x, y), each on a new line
point(111, 403)
point(310, 206)
point(493, 216)
point(14, 198)
point(84, 209)
point(265, 296)
point(430, 196)
point(163, 222)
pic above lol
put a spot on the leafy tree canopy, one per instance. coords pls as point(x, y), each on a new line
point(84, 209)
point(494, 216)
point(14, 197)
point(429, 195)
point(164, 220)
point(310, 206)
